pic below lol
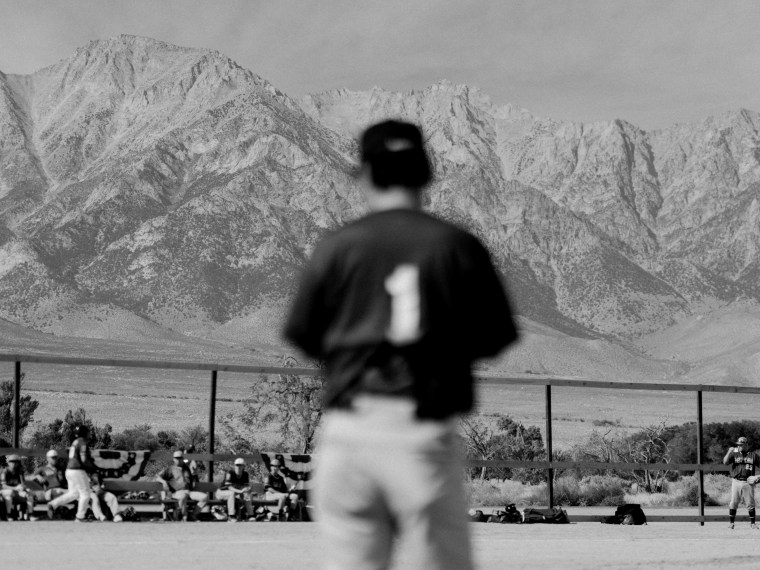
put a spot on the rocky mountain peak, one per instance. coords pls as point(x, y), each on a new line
point(174, 185)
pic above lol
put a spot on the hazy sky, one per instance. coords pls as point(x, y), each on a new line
point(653, 63)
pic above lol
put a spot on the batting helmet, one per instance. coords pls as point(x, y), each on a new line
point(80, 431)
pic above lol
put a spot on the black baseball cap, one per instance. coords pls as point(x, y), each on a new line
point(396, 155)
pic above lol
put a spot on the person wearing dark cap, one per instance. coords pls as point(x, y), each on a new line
point(178, 483)
point(398, 304)
point(78, 470)
point(13, 488)
point(743, 468)
point(236, 487)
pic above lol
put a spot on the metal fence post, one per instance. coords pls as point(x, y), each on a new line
point(17, 405)
point(700, 476)
point(550, 471)
point(211, 424)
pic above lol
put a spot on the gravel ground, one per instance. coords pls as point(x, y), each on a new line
point(145, 545)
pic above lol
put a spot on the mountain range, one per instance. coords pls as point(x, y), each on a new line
point(154, 191)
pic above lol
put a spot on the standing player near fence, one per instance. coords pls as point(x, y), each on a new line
point(78, 471)
point(398, 304)
point(743, 464)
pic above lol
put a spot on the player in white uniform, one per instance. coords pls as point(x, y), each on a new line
point(743, 468)
point(78, 471)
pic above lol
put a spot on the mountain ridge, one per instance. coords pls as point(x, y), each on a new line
point(140, 178)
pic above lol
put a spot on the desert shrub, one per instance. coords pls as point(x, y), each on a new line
point(717, 438)
point(487, 493)
point(590, 490)
point(604, 423)
point(691, 493)
point(58, 434)
point(599, 488)
point(567, 491)
point(27, 407)
point(612, 501)
point(535, 495)
point(646, 446)
point(686, 492)
point(137, 437)
point(503, 438)
point(651, 499)
point(718, 488)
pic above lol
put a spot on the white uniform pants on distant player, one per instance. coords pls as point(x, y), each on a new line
point(742, 490)
point(79, 489)
point(232, 497)
point(109, 499)
point(381, 473)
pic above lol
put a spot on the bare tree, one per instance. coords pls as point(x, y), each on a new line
point(290, 403)
point(478, 440)
point(649, 446)
point(645, 446)
point(503, 438)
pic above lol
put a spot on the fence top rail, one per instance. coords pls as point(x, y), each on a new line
point(582, 383)
point(533, 380)
point(164, 364)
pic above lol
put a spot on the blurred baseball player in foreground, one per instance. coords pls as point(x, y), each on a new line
point(398, 304)
point(743, 467)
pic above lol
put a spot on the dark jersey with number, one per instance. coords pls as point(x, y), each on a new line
point(77, 449)
point(401, 302)
point(743, 464)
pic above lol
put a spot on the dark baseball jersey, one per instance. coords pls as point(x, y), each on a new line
point(77, 449)
point(275, 483)
point(12, 477)
point(235, 481)
point(743, 464)
point(401, 302)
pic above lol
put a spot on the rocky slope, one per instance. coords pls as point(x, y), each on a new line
point(165, 188)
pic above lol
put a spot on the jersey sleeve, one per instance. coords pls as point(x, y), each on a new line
point(486, 312)
point(308, 318)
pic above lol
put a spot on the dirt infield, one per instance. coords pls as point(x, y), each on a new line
point(63, 544)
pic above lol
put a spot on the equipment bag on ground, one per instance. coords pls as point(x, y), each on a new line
point(627, 514)
point(510, 514)
point(554, 515)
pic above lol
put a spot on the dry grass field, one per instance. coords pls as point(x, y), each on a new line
point(280, 546)
point(175, 399)
point(125, 397)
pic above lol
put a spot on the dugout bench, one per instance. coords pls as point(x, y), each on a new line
point(154, 492)
point(151, 495)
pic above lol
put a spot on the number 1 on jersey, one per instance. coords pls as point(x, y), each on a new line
point(403, 286)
